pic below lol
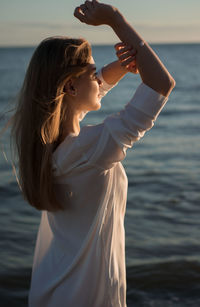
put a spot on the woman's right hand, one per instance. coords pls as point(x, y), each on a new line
point(127, 57)
point(95, 13)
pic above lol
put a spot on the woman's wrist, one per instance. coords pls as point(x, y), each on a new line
point(115, 18)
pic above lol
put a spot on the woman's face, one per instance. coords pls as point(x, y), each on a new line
point(87, 89)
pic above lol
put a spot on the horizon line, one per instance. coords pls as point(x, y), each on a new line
point(108, 44)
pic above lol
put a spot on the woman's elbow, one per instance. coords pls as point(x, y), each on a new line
point(173, 82)
point(170, 84)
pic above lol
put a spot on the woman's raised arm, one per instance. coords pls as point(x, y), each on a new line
point(152, 71)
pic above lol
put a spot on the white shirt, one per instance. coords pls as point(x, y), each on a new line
point(79, 258)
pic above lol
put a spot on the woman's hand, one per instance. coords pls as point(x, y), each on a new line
point(127, 57)
point(95, 13)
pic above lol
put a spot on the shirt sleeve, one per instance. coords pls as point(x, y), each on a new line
point(110, 140)
point(105, 87)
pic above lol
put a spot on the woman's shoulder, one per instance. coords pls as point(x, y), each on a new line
point(89, 136)
point(90, 132)
point(76, 148)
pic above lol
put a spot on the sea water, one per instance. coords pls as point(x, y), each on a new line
point(163, 208)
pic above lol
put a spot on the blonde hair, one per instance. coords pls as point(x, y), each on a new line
point(40, 115)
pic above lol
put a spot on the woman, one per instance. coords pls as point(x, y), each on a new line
point(75, 175)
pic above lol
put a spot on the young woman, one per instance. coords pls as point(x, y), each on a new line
point(75, 175)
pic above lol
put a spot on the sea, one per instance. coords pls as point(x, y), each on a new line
point(162, 220)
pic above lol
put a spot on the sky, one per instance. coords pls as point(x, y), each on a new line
point(26, 23)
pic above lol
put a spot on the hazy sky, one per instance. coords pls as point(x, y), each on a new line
point(25, 22)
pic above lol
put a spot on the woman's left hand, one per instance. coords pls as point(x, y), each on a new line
point(127, 57)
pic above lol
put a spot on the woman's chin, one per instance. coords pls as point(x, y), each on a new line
point(99, 104)
point(95, 105)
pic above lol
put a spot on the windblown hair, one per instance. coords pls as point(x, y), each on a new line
point(40, 115)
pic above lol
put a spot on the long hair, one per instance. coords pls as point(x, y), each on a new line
point(40, 115)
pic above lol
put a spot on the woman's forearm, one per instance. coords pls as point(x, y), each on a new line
point(113, 72)
point(151, 69)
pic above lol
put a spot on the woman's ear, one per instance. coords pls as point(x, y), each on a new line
point(69, 88)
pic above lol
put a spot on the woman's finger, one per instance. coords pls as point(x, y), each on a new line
point(118, 46)
point(89, 5)
point(86, 14)
point(131, 67)
point(127, 61)
point(121, 46)
point(78, 14)
point(127, 54)
point(83, 8)
point(126, 58)
point(94, 3)
point(125, 49)
point(132, 64)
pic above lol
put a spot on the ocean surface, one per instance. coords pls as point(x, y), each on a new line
point(163, 208)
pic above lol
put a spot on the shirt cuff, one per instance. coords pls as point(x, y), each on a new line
point(148, 101)
point(105, 86)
